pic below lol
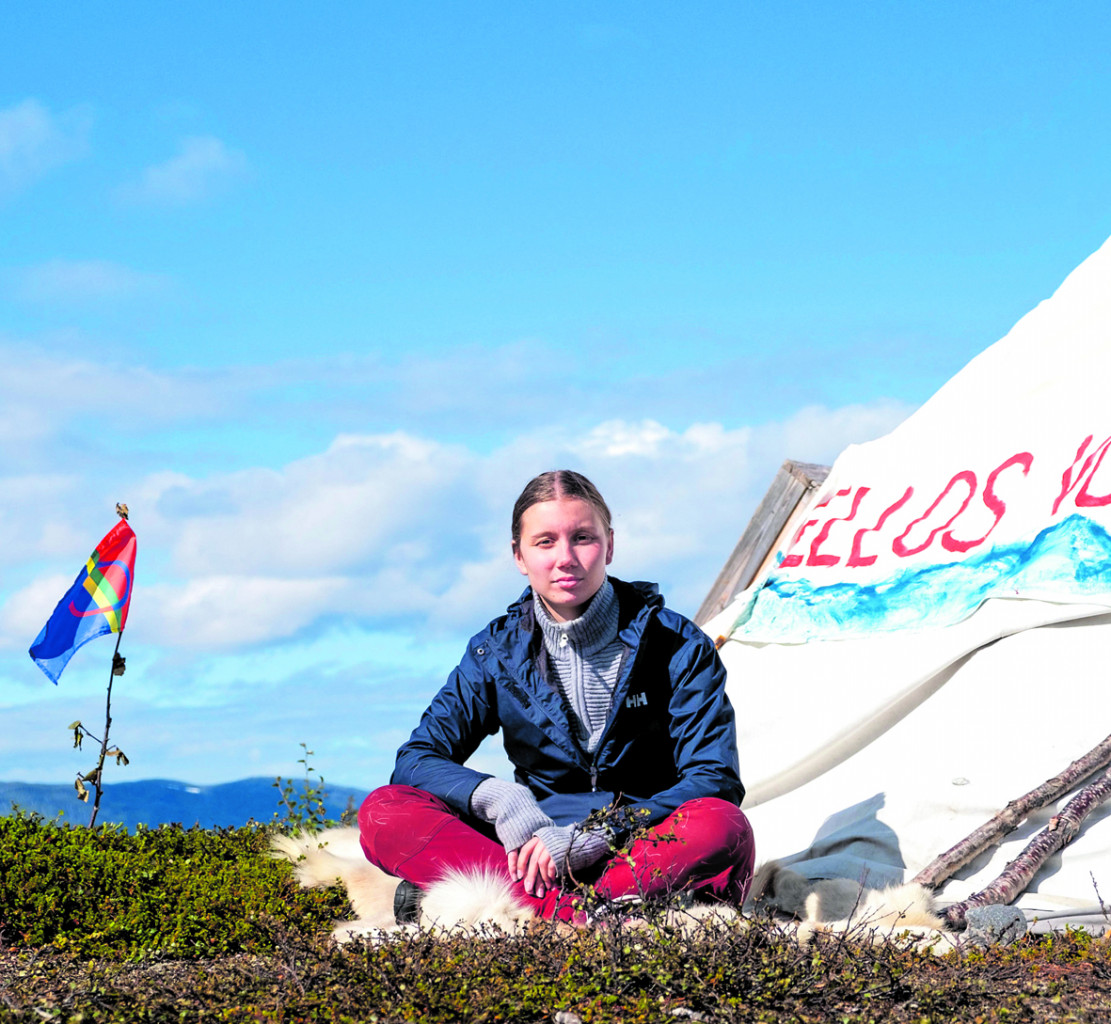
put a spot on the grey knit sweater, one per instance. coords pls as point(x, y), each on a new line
point(586, 657)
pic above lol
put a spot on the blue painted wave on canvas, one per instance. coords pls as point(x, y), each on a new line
point(1069, 561)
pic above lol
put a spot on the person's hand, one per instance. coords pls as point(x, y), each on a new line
point(533, 866)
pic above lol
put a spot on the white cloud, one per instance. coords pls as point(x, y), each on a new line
point(33, 141)
point(351, 503)
point(79, 281)
point(616, 438)
point(374, 527)
point(388, 527)
point(224, 612)
point(34, 526)
point(827, 432)
point(203, 167)
point(478, 592)
point(236, 611)
point(42, 392)
point(24, 613)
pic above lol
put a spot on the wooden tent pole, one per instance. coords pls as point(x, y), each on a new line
point(989, 834)
point(1062, 828)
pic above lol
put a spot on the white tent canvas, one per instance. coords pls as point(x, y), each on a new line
point(934, 640)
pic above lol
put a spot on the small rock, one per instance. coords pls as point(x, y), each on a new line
point(994, 923)
point(566, 1017)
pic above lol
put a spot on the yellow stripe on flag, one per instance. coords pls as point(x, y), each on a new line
point(103, 594)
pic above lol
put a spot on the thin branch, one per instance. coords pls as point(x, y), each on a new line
point(991, 832)
point(1062, 828)
point(98, 771)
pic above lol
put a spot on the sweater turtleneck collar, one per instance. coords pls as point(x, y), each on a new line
point(591, 631)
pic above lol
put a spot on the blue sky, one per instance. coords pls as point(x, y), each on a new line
point(316, 288)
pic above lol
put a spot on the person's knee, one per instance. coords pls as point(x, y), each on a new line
point(725, 822)
point(385, 806)
point(739, 830)
point(387, 815)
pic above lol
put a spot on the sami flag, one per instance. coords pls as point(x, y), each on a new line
point(96, 604)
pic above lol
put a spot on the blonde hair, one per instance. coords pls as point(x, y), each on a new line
point(554, 485)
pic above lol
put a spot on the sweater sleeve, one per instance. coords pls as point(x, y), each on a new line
point(511, 809)
point(572, 847)
point(459, 718)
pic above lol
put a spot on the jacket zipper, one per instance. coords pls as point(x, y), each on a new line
point(613, 714)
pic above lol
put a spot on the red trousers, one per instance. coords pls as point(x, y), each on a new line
point(705, 846)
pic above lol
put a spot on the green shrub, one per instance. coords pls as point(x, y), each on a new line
point(175, 924)
point(619, 975)
point(172, 891)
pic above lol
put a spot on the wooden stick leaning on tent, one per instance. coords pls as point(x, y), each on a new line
point(991, 832)
point(1017, 874)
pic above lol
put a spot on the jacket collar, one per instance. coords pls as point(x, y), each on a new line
point(637, 603)
point(517, 643)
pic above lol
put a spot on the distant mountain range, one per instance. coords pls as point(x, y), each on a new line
point(163, 801)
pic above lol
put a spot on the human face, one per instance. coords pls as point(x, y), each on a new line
point(564, 550)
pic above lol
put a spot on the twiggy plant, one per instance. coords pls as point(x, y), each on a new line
point(96, 775)
point(304, 806)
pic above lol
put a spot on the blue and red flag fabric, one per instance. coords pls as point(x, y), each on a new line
point(96, 604)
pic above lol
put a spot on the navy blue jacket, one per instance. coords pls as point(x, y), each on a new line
point(670, 737)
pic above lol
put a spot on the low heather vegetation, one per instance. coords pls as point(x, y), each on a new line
point(176, 924)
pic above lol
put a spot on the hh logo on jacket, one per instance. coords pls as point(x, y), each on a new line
point(636, 700)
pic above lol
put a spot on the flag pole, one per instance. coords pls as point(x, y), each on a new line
point(117, 670)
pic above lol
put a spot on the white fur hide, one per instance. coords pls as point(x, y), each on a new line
point(474, 901)
point(461, 901)
point(842, 905)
